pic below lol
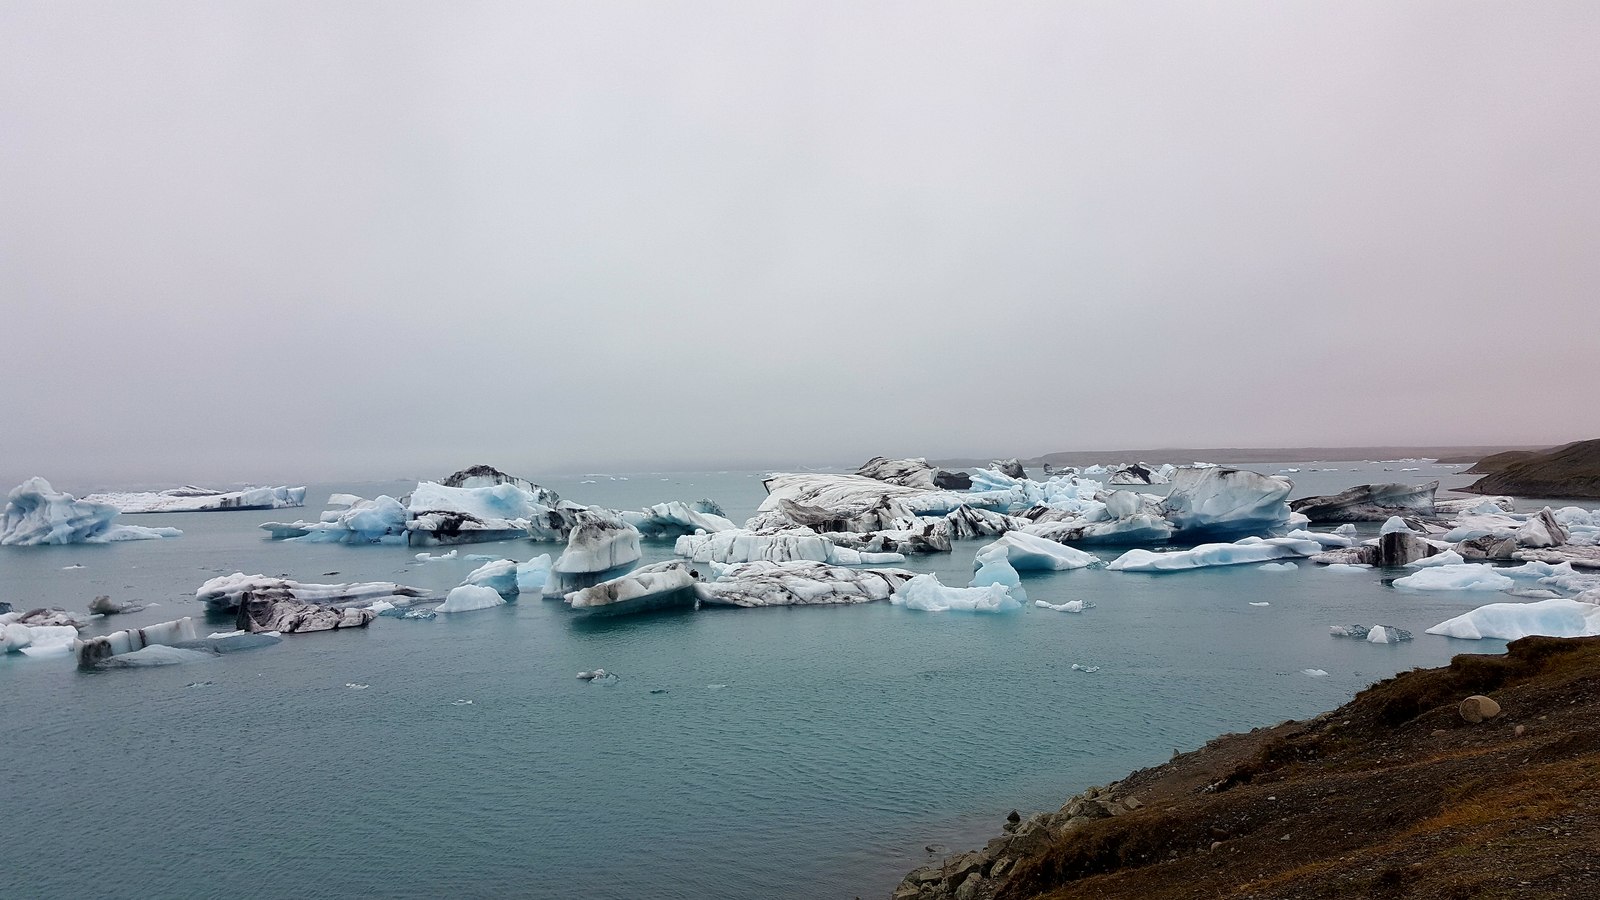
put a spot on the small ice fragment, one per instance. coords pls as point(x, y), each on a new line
point(461, 703)
point(1314, 673)
point(1077, 667)
point(356, 687)
point(1260, 602)
point(1071, 606)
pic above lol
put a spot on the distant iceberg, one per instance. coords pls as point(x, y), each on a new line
point(38, 514)
point(198, 499)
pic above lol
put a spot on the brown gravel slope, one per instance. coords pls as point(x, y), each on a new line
point(1392, 795)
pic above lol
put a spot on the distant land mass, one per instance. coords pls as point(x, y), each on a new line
point(1571, 471)
point(1180, 455)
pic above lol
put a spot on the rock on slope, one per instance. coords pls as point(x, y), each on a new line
point(1396, 794)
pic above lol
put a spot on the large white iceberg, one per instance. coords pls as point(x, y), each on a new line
point(35, 640)
point(1467, 577)
point(926, 593)
point(198, 499)
point(470, 597)
point(444, 514)
point(38, 514)
point(598, 544)
point(1510, 621)
point(797, 584)
point(1247, 550)
point(1029, 551)
point(1221, 500)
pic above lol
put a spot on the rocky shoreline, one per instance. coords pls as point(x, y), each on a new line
point(1481, 778)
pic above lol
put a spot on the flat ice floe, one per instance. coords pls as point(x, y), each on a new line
point(198, 499)
point(1510, 621)
point(1468, 577)
point(1248, 550)
point(38, 514)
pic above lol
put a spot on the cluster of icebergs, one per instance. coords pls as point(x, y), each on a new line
point(840, 539)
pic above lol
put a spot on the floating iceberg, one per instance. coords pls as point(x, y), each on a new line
point(1222, 500)
point(1027, 551)
point(1510, 621)
point(35, 640)
point(1140, 473)
point(197, 499)
point(1278, 567)
point(1139, 528)
point(37, 514)
point(914, 473)
point(470, 597)
point(669, 585)
point(155, 655)
point(351, 520)
point(598, 544)
point(994, 567)
point(97, 650)
point(444, 514)
point(797, 584)
point(1248, 550)
point(257, 614)
point(226, 592)
point(1071, 606)
point(499, 576)
point(924, 592)
point(676, 518)
point(532, 574)
point(1468, 577)
point(1369, 503)
point(1443, 558)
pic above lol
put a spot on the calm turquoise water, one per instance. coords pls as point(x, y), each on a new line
point(796, 753)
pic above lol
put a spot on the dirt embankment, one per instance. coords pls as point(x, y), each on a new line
point(1394, 795)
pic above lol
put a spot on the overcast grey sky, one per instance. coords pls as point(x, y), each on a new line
point(291, 240)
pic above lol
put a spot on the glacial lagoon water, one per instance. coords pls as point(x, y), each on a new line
point(808, 752)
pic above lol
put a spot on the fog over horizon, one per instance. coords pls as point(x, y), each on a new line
point(303, 241)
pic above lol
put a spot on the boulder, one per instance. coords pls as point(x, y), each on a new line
point(1478, 708)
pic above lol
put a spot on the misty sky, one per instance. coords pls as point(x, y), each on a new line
point(294, 240)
